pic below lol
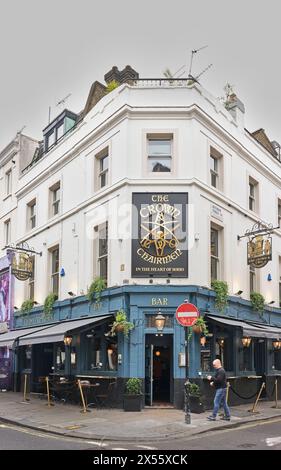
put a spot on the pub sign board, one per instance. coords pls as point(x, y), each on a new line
point(159, 235)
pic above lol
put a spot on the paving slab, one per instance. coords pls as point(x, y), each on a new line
point(115, 424)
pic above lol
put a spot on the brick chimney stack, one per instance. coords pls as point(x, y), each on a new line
point(121, 76)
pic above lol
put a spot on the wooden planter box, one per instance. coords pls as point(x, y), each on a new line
point(132, 403)
point(196, 405)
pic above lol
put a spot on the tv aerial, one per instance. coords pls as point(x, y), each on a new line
point(63, 100)
point(168, 74)
point(20, 130)
point(190, 76)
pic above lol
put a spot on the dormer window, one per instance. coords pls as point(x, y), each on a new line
point(54, 132)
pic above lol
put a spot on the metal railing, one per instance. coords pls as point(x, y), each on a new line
point(161, 82)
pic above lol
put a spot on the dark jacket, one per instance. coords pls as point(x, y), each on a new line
point(219, 378)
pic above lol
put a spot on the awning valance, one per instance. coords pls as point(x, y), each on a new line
point(8, 339)
point(56, 333)
point(253, 330)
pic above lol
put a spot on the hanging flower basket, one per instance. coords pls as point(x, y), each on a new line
point(197, 329)
point(119, 328)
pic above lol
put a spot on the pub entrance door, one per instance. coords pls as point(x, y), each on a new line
point(159, 370)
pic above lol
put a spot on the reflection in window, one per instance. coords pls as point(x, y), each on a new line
point(246, 359)
point(206, 355)
point(112, 356)
point(101, 351)
point(277, 359)
point(60, 358)
point(27, 352)
point(159, 155)
point(73, 353)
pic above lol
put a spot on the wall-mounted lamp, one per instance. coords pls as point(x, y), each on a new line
point(240, 292)
point(276, 344)
point(269, 277)
point(67, 340)
point(221, 342)
point(159, 321)
point(246, 341)
point(203, 340)
point(71, 293)
point(157, 353)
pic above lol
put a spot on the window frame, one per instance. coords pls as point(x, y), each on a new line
point(216, 156)
point(52, 190)
point(7, 231)
point(54, 275)
point(8, 182)
point(217, 257)
point(31, 217)
point(253, 198)
point(160, 137)
point(102, 153)
point(104, 256)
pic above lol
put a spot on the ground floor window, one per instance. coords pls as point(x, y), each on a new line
point(59, 357)
point(101, 350)
point(246, 358)
point(277, 359)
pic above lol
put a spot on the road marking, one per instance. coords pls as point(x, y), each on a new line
point(97, 443)
point(147, 447)
point(242, 426)
point(118, 448)
point(2, 426)
point(273, 441)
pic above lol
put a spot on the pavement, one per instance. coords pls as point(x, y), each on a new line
point(149, 425)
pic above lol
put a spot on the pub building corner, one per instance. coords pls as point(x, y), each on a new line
point(178, 169)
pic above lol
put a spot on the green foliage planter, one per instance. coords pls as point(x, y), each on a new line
point(95, 290)
point(200, 327)
point(133, 395)
point(221, 291)
point(26, 307)
point(257, 301)
point(121, 325)
point(49, 303)
point(195, 402)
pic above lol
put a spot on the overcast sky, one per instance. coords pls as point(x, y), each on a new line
point(51, 48)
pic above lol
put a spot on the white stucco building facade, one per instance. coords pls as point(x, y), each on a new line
point(120, 124)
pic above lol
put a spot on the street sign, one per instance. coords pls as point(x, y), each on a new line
point(187, 314)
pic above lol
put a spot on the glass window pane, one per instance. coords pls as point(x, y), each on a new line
point(51, 139)
point(159, 147)
point(214, 242)
point(104, 163)
point(60, 131)
point(159, 164)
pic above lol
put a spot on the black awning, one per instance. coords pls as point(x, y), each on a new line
point(253, 330)
point(56, 332)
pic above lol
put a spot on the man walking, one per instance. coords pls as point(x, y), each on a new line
point(219, 382)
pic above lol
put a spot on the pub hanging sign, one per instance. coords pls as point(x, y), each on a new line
point(259, 246)
point(159, 235)
point(259, 251)
point(22, 266)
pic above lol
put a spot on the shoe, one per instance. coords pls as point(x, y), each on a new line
point(226, 418)
point(211, 418)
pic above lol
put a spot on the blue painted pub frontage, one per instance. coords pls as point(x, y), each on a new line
point(156, 356)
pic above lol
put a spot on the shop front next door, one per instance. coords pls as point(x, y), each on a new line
point(158, 370)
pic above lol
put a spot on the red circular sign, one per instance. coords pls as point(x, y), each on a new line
point(187, 314)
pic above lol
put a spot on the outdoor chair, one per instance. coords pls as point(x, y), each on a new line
point(104, 398)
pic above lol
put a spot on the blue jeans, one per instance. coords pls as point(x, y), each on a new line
point(220, 400)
